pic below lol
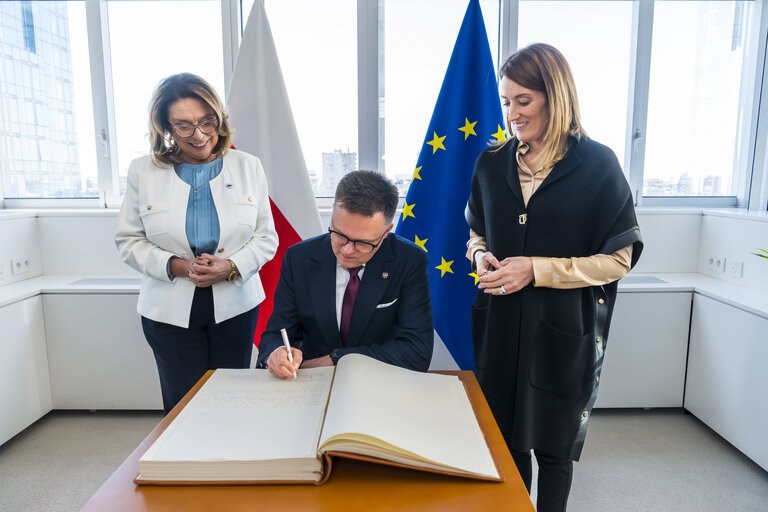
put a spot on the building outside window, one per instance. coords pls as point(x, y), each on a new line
point(40, 126)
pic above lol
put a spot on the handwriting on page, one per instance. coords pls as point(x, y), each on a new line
point(256, 391)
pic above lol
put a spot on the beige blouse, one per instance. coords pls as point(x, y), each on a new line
point(561, 273)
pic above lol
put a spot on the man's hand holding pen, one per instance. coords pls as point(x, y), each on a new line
point(280, 366)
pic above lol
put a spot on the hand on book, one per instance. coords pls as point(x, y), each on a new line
point(280, 366)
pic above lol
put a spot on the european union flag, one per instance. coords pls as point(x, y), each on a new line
point(466, 119)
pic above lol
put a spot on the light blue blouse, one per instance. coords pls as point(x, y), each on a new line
point(203, 228)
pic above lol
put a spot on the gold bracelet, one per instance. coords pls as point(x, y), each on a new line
point(233, 272)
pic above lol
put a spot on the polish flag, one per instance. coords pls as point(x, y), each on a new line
point(263, 126)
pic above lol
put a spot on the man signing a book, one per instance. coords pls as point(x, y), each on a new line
point(357, 289)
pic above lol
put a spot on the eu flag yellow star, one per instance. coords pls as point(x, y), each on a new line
point(408, 210)
point(444, 267)
point(416, 174)
point(501, 134)
point(468, 128)
point(421, 243)
point(477, 279)
point(436, 142)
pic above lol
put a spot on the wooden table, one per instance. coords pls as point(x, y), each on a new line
point(353, 485)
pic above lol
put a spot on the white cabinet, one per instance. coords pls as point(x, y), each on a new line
point(98, 356)
point(727, 385)
point(25, 390)
point(644, 364)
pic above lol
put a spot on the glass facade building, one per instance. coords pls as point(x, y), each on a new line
point(38, 136)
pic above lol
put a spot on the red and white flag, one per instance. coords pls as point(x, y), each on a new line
point(261, 115)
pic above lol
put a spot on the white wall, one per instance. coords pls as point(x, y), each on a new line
point(18, 239)
point(671, 240)
point(80, 243)
point(735, 238)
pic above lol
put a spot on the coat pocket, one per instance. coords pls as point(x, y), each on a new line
point(154, 218)
point(246, 209)
point(562, 363)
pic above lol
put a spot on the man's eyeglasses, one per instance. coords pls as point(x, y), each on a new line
point(207, 126)
point(341, 240)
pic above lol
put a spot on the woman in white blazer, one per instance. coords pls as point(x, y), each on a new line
point(196, 222)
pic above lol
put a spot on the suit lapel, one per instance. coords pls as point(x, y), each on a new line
point(372, 286)
point(321, 274)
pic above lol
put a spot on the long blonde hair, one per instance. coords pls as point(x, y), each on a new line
point(543, 68)
point(169, 91)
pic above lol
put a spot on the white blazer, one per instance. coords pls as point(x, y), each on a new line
point(151, 227)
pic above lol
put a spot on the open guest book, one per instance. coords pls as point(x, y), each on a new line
point(246, 426)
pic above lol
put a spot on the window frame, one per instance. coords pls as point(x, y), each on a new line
point(750, 170)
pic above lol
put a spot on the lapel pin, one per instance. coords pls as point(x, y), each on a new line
point(229, 186)
point(384, 275)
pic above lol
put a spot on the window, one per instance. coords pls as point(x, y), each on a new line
point(694, 105)
point(183, 38)
point(317, 46)
point(29, 26)
point(46, 142)
point(419, 38)
point(596, 39)
point(672, 86)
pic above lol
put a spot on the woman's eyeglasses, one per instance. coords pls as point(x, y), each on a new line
point(206, 127)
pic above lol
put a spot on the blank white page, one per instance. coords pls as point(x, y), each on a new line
point(423, 413)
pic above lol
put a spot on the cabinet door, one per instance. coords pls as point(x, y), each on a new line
point(25, 390)
point(98, 356)
point(644, 364)
point(727, 385)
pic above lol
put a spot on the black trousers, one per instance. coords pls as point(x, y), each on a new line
point(555, 475)
point(184, 355)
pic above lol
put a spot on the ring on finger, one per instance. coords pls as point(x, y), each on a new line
point(502, 290)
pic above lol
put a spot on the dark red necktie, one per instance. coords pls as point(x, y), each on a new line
point(348, 303)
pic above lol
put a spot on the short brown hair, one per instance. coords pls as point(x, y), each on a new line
point(169, 91)
point(541, 67)
point(367, 193)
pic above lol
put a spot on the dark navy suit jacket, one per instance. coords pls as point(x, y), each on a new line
point(392, 318)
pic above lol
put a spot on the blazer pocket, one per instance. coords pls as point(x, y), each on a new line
point(154, 218)
point(246, 209)
point(382, 306)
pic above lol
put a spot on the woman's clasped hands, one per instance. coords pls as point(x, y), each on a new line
point(502, 277)
point(205, 270)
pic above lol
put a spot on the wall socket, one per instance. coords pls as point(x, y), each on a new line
point(3, 271)
point(20, 265)
point(734, 268)
point(716, 263)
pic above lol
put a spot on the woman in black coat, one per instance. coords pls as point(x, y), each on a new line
point(552, 230)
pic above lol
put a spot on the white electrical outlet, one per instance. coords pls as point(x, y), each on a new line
point(716, 263)
point(20, 265)
point(3, 271)
point(734, 268)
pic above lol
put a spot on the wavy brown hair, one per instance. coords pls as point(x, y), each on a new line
point(169, 91)
point(543, 68)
